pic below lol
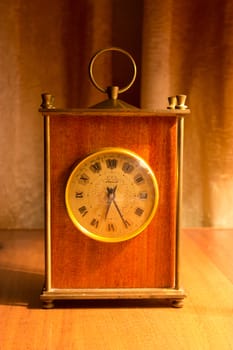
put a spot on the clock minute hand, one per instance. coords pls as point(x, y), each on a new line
point(125, 222)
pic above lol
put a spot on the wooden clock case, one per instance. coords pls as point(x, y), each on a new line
point(145, 267)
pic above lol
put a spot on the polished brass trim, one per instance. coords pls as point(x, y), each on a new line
point(158, 293)
point(180, 137)
point(175, 113)
point(125, 293)
point(47, 101)
point(98, 53)
point(47, 202)
point(113, 151)
point(174, 296)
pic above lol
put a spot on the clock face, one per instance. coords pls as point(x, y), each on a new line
point(111, 195)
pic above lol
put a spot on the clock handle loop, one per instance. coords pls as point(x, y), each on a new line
point(112, 91)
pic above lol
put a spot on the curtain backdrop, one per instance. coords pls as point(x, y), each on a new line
point(180, 47)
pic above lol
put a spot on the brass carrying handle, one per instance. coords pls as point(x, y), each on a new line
point(98, 53)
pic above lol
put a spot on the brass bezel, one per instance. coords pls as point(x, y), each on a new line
point(93, 155)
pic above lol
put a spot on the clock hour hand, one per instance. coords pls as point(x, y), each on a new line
point(111, 195)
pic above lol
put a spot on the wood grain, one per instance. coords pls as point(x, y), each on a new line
point(145, 261)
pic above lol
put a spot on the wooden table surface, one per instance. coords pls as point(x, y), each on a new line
point(205, 321)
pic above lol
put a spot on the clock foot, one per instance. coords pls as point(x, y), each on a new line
point(177, 303)
point(48, 304)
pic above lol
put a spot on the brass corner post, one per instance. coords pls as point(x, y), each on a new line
point(180, 137)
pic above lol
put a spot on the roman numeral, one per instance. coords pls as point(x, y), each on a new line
point(127, 168)
point(139, 179)
point(126, 223)
point(111, 163)
point(95, 167)
point(111, 227)
point(139, 211)
point(79, 195)
point(84, 179)
point(143, 195)
point(95, 222)
point(83, 210)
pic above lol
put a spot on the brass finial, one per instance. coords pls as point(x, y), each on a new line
point(172, 102)
point(47, 101)
point(112, 92)
point(181, 102)
point(177, 102)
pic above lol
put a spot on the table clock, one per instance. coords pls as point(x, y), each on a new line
point(113, 177)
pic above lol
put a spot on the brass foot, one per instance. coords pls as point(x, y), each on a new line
point(177, 303)
point(48, 304)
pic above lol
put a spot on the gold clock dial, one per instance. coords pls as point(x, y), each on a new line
point(112, 195)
